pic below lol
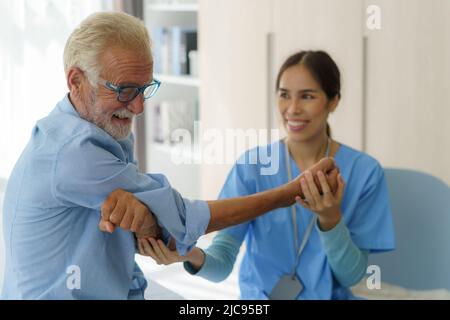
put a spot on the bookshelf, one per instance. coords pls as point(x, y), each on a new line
point(173, 29)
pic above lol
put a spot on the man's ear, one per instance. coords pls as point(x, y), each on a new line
point(334, 103)
point(74, 80)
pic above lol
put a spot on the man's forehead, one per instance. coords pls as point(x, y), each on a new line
point(118, 53)
point(127, 65)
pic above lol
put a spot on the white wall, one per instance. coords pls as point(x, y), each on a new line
point(408, 102)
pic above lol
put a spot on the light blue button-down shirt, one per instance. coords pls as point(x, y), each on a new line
point(54, 249)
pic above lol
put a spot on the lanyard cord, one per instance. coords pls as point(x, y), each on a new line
point(294, 213)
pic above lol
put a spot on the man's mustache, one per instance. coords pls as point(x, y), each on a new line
point(124, 113)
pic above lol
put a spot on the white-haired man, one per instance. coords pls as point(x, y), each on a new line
point(82, 154)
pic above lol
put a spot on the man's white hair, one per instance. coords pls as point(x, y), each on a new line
point(101, 31)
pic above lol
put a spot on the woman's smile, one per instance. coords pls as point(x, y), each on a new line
point(296, 125)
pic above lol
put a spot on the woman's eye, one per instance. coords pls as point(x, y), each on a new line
point(307, 97)
point(284, 95)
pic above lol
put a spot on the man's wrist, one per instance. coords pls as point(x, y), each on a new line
point(289, 191)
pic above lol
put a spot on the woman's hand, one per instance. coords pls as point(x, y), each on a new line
point(158, 251)
point(327, 205)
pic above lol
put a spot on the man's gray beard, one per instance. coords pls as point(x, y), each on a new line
point(95, 115)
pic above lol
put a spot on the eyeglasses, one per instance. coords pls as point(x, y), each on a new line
point(129, 92)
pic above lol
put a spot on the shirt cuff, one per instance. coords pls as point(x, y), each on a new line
point(197, 220)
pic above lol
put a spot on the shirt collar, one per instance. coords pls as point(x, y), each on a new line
point(66, 106)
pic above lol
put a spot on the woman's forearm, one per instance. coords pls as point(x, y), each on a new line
point(233, 211)
point(217, 261)
point(346, 260)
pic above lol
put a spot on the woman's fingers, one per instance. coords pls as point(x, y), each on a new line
point(341, 187)
point(313, 189)
point(306, 192)
point(149, 250)
point(328, 197)
point(302, 202)
point(172, 256)
point(158, 251)
point(140, 247)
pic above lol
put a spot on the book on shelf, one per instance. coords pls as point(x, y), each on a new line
point(174, 50)
point(170, 116)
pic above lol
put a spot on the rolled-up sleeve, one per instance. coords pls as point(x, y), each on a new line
point(188, 219)
point(88, 168)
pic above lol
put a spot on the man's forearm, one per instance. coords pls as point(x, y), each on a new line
point(230, 212)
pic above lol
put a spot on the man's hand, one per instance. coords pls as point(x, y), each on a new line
point(149, 229)
point(329, 169)
point(124, 210)
point(326, 205)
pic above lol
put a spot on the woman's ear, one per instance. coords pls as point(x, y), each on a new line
point(334, 103)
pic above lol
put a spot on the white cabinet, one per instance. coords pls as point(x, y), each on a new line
point(408, 96)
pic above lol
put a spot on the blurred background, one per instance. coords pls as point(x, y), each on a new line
point(218, 59)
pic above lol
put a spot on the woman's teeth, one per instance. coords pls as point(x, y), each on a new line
point(296, 125)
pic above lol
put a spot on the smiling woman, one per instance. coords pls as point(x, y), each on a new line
point(318, 67)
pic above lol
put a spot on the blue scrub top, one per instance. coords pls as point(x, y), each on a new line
point(270, 250)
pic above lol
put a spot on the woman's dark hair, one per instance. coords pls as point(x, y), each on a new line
point(323, 69)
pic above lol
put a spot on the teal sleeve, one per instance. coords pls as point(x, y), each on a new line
point(347, 261)
point(220, 257)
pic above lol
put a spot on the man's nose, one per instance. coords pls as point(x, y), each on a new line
point(136, 105)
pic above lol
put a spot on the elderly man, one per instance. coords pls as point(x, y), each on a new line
point(82, 154)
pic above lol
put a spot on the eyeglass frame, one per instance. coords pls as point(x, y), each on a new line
point(140, 90)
